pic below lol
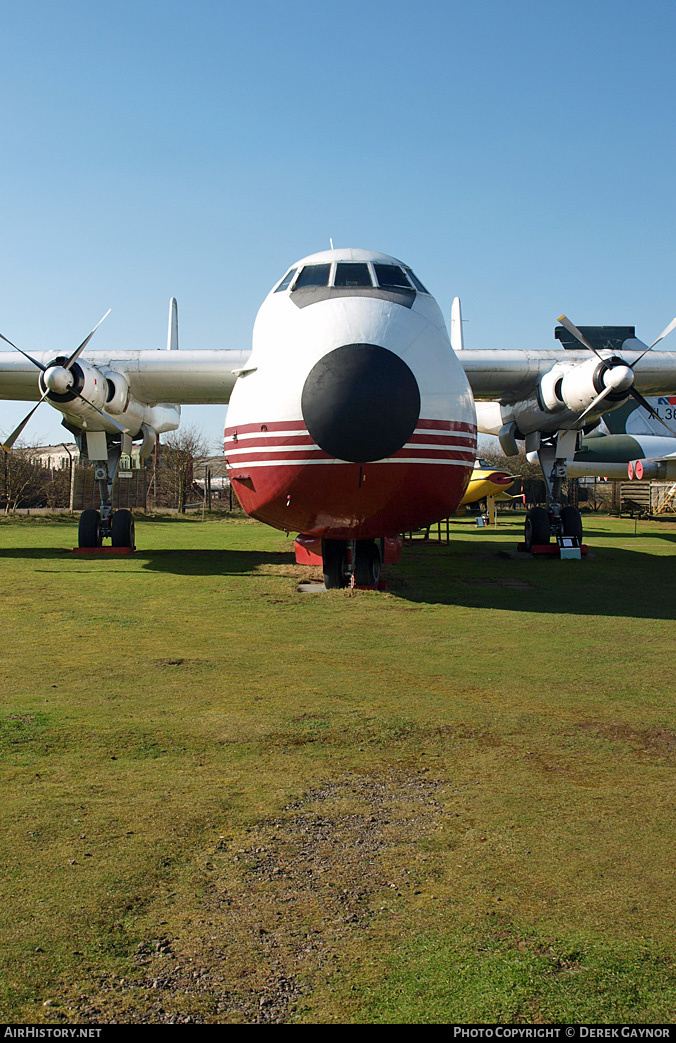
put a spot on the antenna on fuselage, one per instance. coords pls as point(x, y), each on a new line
point(331, 241)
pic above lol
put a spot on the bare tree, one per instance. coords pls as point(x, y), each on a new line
point(57, 487)
point(173, 479)
point(23, 479)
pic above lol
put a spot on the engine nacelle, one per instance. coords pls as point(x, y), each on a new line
point(117, 399)
point(582, 384)
point(107, 390)
point(576, 387)
point(66, 385)
point(572, 387)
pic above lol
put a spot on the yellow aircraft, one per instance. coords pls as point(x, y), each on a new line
point(486, 481)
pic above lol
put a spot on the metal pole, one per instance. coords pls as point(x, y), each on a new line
point(70, 476)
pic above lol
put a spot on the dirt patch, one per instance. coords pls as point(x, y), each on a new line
point(283, 907)
point(656, 742)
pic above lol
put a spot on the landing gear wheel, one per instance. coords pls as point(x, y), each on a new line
point(571, 522)
point(537, 528)
point(367, 564)
point(89, 529)
point(122, 529)
point(334, 558)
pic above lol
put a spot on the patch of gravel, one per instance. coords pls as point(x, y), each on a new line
point(280, 909)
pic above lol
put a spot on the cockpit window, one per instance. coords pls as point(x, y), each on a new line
point(313, 275)
point(284, 284)
point(353, 275)
point(390, 276)
point(416, 281)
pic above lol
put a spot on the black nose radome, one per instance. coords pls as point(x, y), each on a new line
point(361, 402)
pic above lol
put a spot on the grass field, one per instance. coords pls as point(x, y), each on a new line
point(226, 801)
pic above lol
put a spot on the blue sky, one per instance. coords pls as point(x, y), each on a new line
point(520, 154)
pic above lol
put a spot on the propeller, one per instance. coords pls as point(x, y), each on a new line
point(620, 377)
point(59, 379)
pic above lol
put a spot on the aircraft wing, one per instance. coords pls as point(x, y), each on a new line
point(181, 377)
point(508, 376)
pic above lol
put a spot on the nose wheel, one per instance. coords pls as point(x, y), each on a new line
point(366, 564)
point(362, 562)
point(334, 563)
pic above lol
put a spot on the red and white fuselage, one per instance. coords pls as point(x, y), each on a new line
point(353, 418)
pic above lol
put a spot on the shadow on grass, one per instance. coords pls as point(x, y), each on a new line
point(473, 573)
point(212, 562)
point(180, 562)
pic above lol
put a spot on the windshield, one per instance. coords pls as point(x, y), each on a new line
point(284, 284)
point(313, 275)
point(391, 276)
point(353, 275)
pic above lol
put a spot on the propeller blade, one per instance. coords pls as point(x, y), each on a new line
point(78, 351)
point(24, 353)
point(599, 398)
point(9, 442)
point(646, 405)
point(568, 325)
point(106, 416)
point(663, 334)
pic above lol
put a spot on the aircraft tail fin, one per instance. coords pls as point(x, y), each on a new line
point(457, 342)
point(631, 419)
point(172, 332)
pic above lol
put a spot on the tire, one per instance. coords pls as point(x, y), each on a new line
point(122, 529)
point(89, 529)
point(367, 565)
point(571, 522)
point(334, 559)
point(537, 528)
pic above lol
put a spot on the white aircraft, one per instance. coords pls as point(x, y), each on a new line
point(353, 416)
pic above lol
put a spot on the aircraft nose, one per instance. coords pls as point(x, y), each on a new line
point(361, 402)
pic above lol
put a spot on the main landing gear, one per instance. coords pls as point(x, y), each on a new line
point(558, 519)
point(541, 526)
point(96, 526)
point(92, 529)
point(344, 559)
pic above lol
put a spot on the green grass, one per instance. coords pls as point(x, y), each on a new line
point(453, 801)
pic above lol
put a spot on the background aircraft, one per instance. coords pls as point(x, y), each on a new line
point(353, 417)
point(547, 398)
point(486, 481)
point(625, 436)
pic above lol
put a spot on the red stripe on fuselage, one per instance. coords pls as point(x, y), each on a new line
point(273, 455)
point(299, 426)
point(351, 501)
point(292, 484)
point(272, 425)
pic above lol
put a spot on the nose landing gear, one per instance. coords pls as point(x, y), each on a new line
point(344, 560)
